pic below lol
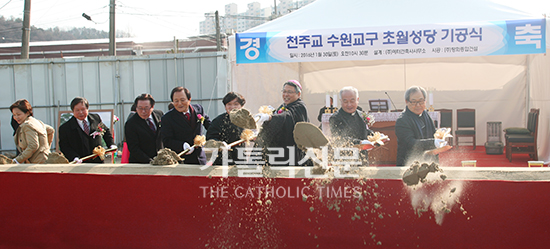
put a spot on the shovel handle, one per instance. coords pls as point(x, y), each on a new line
point(187, 150)
point(93, 155)
point(236, 143)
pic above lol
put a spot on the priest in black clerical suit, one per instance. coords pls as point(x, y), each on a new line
point(415, 130)
point(347, 125)
point(182, 124)
point(143, 130)
point(278, 130)
point(74, 142)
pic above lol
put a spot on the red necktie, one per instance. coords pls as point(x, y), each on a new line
point(151, 125)
point(86, 127)
point(187, 116)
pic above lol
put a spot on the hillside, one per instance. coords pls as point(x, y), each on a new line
point(10, 31)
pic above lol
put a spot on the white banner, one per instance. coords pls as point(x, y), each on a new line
point(375, 43)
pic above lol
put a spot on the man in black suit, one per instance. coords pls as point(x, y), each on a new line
point(83, 132)
point(415, 130)
point(182, 124)
point(143, 130)
point(347, 125)
point(276, 136)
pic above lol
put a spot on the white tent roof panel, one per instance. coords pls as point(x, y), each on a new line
point(331, 14)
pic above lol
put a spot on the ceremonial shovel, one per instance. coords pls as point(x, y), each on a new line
point(98, 151)
point(197, 142)
point(246, 136)
point(441, 133)
point(242, 118)
point(307, 135)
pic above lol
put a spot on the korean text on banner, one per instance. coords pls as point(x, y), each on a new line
point(402, 42)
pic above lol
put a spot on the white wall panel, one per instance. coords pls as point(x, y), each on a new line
point(22, 75)
point(6, 77)
point(49, 82)
point(60, 87)
point(172, 74)
point(191, 74)
point(73, 81)
point(158, 80)
point(105, 93)
point(40, 88)
point(6, 137)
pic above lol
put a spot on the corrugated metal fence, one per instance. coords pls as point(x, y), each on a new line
point(109, 83)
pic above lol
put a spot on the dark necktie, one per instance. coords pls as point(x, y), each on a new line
point(151, 125)
point(86, 127)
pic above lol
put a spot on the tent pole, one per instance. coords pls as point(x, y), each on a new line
point(404, 74)
point(528, 84)
point(301, 78)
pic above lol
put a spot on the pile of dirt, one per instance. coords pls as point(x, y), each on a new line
point(56, 158)
point(5, 160)
point(166, 157)
point(418, 172)
point(242, 118)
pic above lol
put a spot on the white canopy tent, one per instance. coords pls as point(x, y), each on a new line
point(500, 87)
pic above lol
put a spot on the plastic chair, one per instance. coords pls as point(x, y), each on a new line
point(465, 125)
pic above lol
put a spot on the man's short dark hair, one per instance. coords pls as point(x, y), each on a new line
point(79, 100)
point(230, 96)
point(133, 108)
point(145, 96)
point(180, 89)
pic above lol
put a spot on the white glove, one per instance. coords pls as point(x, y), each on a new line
point(367, 145)
point(261, 118)
point(113, 147)
point(187, 146)
point(226, 146)
point(439, 143)
point(15, 161)
point(77, 160)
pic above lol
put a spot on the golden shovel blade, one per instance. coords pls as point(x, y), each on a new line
point(307, 135)
point(242, 118)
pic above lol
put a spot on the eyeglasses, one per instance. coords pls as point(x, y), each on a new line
point(420, 102)
point(288, 92)
point(145, 108)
